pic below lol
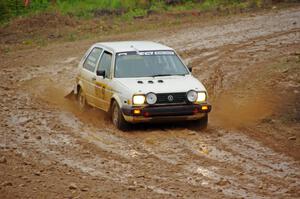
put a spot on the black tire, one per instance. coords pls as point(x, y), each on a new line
point(81, 100)
point(118, 118)
point(200, 124)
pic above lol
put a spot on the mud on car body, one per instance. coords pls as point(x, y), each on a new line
point(140, 81)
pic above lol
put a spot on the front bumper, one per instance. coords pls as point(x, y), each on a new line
point(165, 113)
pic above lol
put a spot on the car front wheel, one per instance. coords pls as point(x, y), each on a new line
point(200, 124)
point(118, 118)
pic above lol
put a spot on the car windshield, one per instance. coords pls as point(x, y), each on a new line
point(148, 64)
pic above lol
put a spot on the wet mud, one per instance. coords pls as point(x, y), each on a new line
point(54, 150)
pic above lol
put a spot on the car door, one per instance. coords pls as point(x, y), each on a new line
point(88, 75)
point(103, 90)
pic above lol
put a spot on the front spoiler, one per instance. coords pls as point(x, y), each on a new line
point(165, 113)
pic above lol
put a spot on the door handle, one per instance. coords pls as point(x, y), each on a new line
point(93, 78)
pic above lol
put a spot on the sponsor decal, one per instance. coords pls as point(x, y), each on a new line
point(147, 53)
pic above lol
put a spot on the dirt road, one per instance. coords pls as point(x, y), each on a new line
point(250, 66)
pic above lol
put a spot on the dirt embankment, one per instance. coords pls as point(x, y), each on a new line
point(250, 66)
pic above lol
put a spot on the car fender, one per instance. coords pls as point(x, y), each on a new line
point(117, 98)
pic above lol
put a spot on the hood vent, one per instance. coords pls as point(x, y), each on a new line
point(150, 81)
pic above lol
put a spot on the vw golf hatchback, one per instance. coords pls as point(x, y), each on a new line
point(140, 81)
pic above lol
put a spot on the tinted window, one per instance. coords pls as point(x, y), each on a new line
point(148, 64)
point(91, 60)
point(105, 63)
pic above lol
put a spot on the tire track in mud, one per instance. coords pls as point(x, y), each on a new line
point(218, 65)
point(177, 153)
point(112, 169)
point(206, 162)
point(236, 32)
point(171, 162)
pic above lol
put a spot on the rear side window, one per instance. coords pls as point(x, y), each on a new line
point(91, 61)
point(105, 63)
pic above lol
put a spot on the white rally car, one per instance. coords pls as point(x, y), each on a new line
point(140, 81)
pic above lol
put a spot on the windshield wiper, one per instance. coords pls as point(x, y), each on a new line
point(161, 75)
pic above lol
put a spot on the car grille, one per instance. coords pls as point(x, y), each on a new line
point(171, 98)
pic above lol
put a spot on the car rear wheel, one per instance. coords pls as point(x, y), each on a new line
point(118, 118)
point(81, 100)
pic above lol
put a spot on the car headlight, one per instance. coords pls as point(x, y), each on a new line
point(201, 97)
point(138, 99)
point(192, 96)
point(151, 98)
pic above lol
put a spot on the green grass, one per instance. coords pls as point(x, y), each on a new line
point(129, 8)
point(85, 8)
point(80, 8)
point(209, 5)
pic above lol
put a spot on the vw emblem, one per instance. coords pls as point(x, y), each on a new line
point(170, 98)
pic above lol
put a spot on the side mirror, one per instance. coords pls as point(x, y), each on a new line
point(190, 68)
point(101, 73)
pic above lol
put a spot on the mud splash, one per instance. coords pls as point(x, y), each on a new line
point(51, 92)
point(232, 111)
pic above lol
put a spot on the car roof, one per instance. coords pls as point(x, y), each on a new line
point(127, 46)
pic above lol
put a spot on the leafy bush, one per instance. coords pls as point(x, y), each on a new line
point(13, 8)
point(4, 10)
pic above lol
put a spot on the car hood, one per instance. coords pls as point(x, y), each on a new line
point(167, 84)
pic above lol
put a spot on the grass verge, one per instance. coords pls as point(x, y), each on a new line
point(127, 9)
